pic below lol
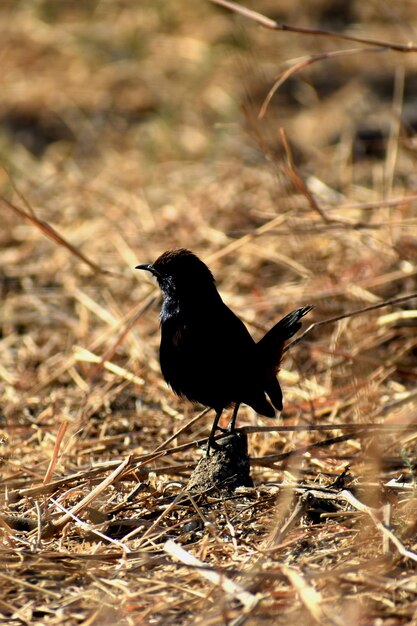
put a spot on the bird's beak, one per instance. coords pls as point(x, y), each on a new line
point(148, 267)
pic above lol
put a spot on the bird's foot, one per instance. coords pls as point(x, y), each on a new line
point(212, 445)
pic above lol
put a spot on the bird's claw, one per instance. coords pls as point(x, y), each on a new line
point(212, 445)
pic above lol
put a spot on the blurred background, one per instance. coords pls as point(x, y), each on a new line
point(131, 130)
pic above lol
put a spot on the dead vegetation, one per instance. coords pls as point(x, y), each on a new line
point(122, 133)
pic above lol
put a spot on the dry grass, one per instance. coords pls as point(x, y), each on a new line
point(121, 135)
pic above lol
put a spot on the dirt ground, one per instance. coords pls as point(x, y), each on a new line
point(286, 160)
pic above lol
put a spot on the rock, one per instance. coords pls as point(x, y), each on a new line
point(227, 467)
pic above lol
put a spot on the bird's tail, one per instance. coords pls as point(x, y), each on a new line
point(272, 344)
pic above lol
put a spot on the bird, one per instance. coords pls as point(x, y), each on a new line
point(207, 354)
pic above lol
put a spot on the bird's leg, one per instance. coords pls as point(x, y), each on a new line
point(231, 426)
point(211, 443)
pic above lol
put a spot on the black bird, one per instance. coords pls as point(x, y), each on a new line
point(207, 354)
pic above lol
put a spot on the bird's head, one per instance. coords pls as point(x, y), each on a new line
point(180, 273)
